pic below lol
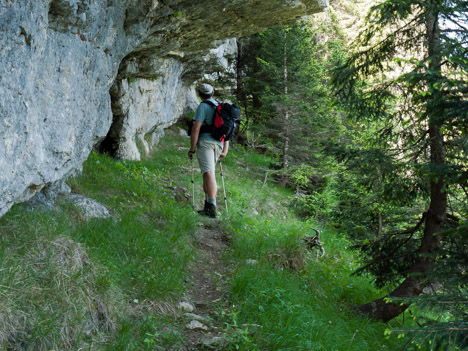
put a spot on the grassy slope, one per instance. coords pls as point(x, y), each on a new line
point(114, 283)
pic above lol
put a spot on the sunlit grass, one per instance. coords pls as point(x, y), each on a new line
point(126, 272)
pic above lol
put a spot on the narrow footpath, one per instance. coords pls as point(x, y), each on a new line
point(204, 297)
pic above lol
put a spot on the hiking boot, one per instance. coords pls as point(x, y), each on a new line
point(211, 210)
point(203, 212)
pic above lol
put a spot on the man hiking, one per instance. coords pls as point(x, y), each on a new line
point(208, 150)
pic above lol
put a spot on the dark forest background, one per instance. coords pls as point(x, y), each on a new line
point(370, 130)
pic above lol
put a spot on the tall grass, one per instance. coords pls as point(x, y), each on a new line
point(112, 284)
point(300, 301)
point(50, 296)
point(69, 283)
point(283, 297)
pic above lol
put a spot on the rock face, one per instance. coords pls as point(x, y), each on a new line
point(75, 73)
point(142, 108)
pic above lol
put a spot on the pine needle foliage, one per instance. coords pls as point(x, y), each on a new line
point(408, 77)
point(284, 91)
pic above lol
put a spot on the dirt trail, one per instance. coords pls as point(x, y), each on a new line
point(205, 292)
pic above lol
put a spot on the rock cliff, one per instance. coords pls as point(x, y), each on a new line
point(75, 74)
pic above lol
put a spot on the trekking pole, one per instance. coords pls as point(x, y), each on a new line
point(224, 189)
point(193, 189)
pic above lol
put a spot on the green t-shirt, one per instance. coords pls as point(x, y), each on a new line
point(204, 114)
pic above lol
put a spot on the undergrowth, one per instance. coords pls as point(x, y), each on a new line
point(284, 297)
point(113, 284)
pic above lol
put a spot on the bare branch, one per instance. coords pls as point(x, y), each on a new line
point(312, 241)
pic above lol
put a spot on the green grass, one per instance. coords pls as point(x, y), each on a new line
point(129, 268)
point(300, 301)
point(113, 284)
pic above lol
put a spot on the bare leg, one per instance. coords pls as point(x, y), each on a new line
point(209, 184)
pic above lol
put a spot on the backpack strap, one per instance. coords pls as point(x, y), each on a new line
point(210, 103)
point(207, 128)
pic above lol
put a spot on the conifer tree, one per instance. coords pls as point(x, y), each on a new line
point(285, 95)
point(408, 75)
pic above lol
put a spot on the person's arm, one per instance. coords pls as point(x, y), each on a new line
point(194, 138)
point(225, 150)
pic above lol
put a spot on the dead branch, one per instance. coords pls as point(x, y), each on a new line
point(313, 241)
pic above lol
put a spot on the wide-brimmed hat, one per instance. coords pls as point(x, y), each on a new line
point(205, 89)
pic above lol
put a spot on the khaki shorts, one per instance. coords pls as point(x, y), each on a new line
point(208, 154)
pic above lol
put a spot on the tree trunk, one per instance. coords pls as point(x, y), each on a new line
point(380, 220)
point(286, 130)
point(240, 90)
point(435, 216)
point(379, 214)
point(240, 94)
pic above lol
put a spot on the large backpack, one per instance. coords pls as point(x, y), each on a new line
point(225, 121)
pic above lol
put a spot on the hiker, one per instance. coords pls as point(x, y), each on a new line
point(209, 151)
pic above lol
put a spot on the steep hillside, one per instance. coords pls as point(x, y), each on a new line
point(154, 275)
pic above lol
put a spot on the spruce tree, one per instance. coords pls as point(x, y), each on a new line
point(285, 95)
point(408, 75)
